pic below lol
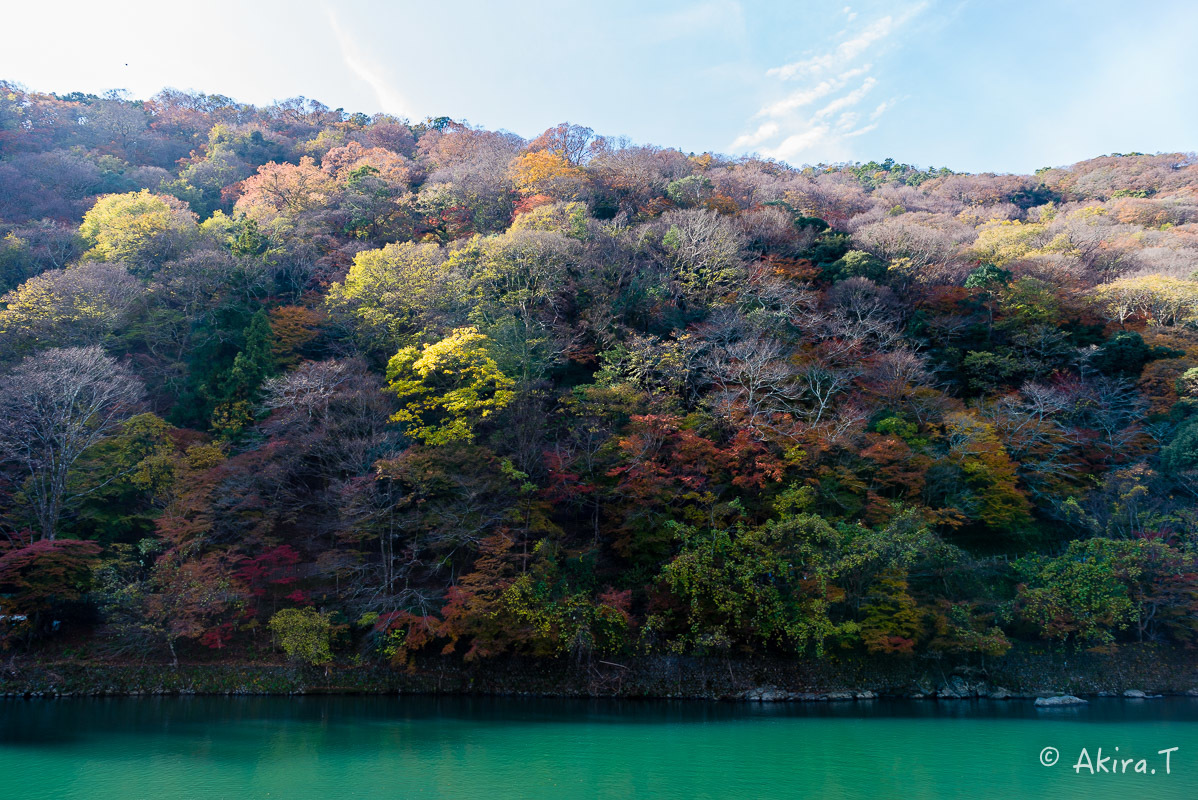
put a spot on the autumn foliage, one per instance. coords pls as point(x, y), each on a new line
point(291, 382)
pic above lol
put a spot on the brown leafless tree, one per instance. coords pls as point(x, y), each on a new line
point(54, 406)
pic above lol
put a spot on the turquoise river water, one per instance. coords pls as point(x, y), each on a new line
point(421, 747)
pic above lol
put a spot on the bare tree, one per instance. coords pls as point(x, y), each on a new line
point(705, 251)
point(864, 311)
point(636, 174)
point(822, 383)
point(924, 239)
point(572, 142)
point(1031, 425)
point(895, 375)
point(333, 417)
point(754, 381)
point(54, 406)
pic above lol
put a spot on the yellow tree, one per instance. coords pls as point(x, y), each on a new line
point(1001, 242)
point(448, 387)
point(974, 447)
point(60, 307)
point(392, 292)
point(548, 173)
point(1156, 298)
point(139, 228)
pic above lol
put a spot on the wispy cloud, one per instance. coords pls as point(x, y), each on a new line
point(747, 141)
point(847, 101)
point(849, 49)
point(390, 100)
point(809, 94)
point(839, 79)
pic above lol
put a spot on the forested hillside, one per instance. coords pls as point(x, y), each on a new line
point(363, 389)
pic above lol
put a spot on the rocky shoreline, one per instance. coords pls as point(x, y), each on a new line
point(1135, 672)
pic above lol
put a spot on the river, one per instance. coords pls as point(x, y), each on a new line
point(422, 747)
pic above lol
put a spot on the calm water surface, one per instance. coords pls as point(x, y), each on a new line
point(372, 747)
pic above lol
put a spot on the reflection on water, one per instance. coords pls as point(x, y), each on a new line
point(396, 747)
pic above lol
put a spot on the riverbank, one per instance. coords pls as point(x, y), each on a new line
point(1025, 674)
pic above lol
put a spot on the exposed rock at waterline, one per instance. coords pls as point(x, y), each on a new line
point(1059, 701)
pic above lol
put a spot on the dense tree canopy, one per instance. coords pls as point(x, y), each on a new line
point(363, 387)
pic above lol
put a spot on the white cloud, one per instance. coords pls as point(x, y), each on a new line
point(879, 30)
point(859, 131)
point(808, 95)
point(389, 99)
point(881, 109)
point(846, 51)
point(764, 133)
point(796, 144)
point(847, 101)
point(831, 77)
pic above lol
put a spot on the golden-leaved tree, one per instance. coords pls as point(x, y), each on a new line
point(448, 387)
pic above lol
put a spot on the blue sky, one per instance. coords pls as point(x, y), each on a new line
point(974, 85)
